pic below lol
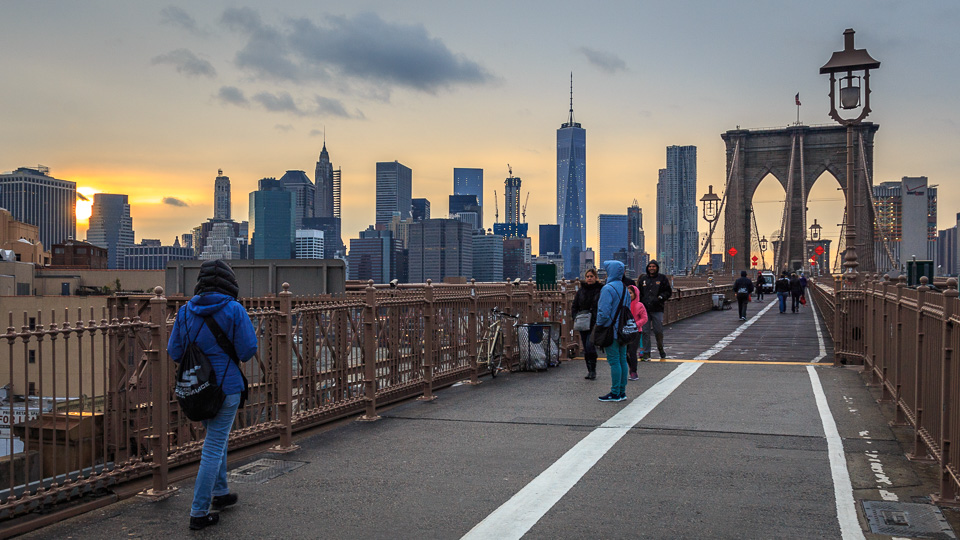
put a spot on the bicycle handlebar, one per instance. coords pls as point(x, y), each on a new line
point(504, 314)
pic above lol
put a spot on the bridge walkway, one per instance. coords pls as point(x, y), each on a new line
point(742, 443)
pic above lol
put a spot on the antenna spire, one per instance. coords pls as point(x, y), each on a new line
point(571, 99)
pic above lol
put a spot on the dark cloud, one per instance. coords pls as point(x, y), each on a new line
point(232, 95)
point(364, 48)
point(173, 201)
point(82, 197)
point(334, 107)
point(175, 16)
point(186, 63)
point(609, 62)
point(279, 102)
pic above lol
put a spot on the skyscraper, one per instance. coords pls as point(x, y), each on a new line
point(635, 236)
point(469, 182)
point(421, 209)
point(487, 257)
point(440, 248)
point(572, 190)
point(549, 239)
point(309, 244)
point(394, 185)
point(221, 196)
point(677, 238)
point(613, 235)
point(34, 197)
point(304, 193)
point(327, 185)
point(111, 226)
point(511, 199)
point(272, 213)
point(465, 208)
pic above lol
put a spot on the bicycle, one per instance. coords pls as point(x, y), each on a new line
point(491, 348)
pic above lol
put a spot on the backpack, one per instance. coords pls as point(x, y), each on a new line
point(198, 393)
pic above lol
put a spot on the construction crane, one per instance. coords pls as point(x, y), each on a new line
point(496, 208)
point(524, 212)
point(510, 170)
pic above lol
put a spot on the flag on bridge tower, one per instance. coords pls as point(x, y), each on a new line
point(798, 99)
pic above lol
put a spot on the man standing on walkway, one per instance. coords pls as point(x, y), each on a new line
point(796, 291)
point(760, 281)
point(782, 288)
point(743, 287)
point(654, 291)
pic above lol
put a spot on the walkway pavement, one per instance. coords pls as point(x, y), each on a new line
point(735, 447)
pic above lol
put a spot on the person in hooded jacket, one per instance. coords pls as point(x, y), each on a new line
point(613, 299)
point(796, 291)
point(782, 288)
point(640, 317)
point(654, 291)
point(586, 300)
point(215, 296)
point(743, 287)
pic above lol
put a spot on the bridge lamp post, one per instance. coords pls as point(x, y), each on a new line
point(763, 249)
point(854, 65)
point(816, 233)
point(711, 213)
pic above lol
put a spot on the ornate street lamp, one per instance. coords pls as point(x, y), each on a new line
point(854, 65)
point(763, 249)
point(711, 213)
point(815, 231)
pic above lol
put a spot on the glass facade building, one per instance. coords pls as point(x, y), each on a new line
point(572, 192)
point(488, 257)
point(272, 213)
point(421, 209)
point(469, 182)
point(304, 192)
point(613, 235)
point(549, 239)
point(111, 227)
point(677, 237)
point(394, 184)
point(439, 248)
point(34, 197)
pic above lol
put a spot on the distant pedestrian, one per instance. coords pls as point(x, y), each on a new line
point(803, 285)
point(654, 291)
point(761, 280)
point(639, 314)
point(214, 310)
point(796, 291)
point(613, 301)
point(782, 288)
point(743, 287)
point(586, 302)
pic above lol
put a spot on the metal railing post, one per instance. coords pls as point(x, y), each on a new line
point(561, 312)
point(948, 487)
point(838, 338)
point(160, 387)
point(429, 343)
point(899, 419)
point(285, 373)
point(920, 452)
point(370, 348)
point(472, 344)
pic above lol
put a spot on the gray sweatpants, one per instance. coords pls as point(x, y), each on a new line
point(653, 328)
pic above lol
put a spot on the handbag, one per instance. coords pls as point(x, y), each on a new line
point(581, 323)
point(603, 335)
point(803, 300)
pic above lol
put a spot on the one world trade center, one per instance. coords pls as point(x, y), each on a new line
point(572, 191)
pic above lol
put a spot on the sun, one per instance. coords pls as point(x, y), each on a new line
point(85, 207)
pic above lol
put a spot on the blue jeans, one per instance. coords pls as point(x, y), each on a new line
point(617, 358)
point(212, 476)
point(782, 296)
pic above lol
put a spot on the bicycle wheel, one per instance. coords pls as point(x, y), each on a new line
point(496, 355)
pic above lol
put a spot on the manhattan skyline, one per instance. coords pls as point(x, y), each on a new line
point(151, 101)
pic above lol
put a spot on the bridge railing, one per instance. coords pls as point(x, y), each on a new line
point(96, 405)
point(905, 338)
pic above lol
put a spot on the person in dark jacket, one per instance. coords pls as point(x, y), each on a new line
point(614, 299)
point(796, 291)
point(654, 291)
point(743, 287)
point(759, 288)
point(586, 300)
point(782, 288)
point(215, 296)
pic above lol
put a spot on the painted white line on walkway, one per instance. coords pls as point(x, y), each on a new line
point(519, 514)
point(842, 487)
point(722, 344)
point(816, 324)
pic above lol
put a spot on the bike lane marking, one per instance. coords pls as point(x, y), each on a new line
point(519, 514)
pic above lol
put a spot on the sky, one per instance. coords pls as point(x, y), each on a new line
point(151, 100)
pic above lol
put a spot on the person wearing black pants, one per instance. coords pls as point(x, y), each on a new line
point(760, 281)
point(743, 287)
point(586, 300)
point(796, 291)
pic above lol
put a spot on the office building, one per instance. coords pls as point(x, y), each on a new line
point(946, 261)
point(635, 236)
point(394, 184)
point(79, 254)
point(677, 211)
point(487, 257)
point(549, 240)
point(304, 193)
point(906, 217)
point(309, 244)
point(373, 256)
point(517, 259)
point(613, 235)
point(421, 209)
point(36, 198)
point(327, 179)
point(152, 255)
point(586, 260)
point(332, 238)
point(111, 227)
point(221, 197)
point(22, 239)
point(572, 190)
point(470, 182)
point(511, 207)
point(465, 208)
point(440, 248)
point(272, 213)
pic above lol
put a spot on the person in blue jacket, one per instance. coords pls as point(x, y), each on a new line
point(216, 295)
point(610, 296)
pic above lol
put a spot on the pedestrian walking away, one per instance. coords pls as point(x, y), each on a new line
point(613, 304)
point(796, 291)
point(782, 288)
point(639, 314)
point(759, 288)
point(211, 314)
point(803, 286)
point(654, 291)
point(585, 301)
point(743, 287)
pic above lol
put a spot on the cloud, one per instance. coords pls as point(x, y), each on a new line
point(173, 201)
point(186, 63)
point(316, 132)
point(283, 128)
point(81, 197)
point(364, 49)
point(279, 102)
point(334, 107)
point(232, 95)
point(609, 62)
point(175, 16)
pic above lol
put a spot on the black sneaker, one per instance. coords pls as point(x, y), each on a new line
point(663, 353)
point(591, 376)
point(197, 523)
point(222, 501)
point(609, 397)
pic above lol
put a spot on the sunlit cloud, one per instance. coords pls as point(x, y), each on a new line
point(605, 61)
point(186, 63)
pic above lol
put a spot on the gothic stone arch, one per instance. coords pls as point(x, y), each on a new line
point(823, 148)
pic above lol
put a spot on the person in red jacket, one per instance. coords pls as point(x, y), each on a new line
point(640, 317)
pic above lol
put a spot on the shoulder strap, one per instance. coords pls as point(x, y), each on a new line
point(231, 351)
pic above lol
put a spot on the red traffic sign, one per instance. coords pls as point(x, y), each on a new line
point(732, 251)
point(754, 259)
point(819, 250)
point(754, 263)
